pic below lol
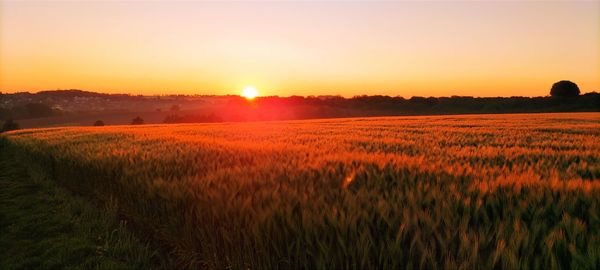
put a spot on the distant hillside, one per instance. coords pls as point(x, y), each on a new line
point(78, 107)
point(71, 93)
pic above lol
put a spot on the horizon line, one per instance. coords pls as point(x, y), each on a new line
point(264, 96)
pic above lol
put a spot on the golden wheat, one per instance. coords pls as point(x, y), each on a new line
point(478, 191)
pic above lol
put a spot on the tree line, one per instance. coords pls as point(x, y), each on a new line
point(564, 97)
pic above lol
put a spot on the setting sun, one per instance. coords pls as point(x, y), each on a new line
point(370, 134)
point(249, 92)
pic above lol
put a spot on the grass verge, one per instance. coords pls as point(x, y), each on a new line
point(45, 227)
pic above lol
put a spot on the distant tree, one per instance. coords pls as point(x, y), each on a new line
point(137, 121)
point(564, 89)
point(9, 125)
point(99, 123)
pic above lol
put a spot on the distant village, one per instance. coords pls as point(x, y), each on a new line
point(79, 100)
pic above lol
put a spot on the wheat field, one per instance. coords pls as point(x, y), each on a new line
point(427, 192)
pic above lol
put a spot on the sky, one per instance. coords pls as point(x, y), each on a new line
point(425, 48)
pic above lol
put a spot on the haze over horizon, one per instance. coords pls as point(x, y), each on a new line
point(286, 48)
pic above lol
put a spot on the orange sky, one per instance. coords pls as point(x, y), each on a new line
point(319, 48)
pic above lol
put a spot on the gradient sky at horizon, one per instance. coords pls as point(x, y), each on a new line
point(292, 48)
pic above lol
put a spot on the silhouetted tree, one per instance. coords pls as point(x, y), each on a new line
point(564, 89)
point(137, 121)
point(99, 123)
point(9, 125)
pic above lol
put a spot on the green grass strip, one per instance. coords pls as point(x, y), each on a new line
point(45, 227)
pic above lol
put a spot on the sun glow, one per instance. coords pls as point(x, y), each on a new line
point(249, 92)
